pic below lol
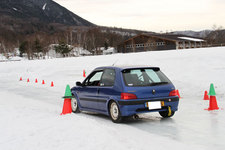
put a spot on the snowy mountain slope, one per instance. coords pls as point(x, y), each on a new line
point(46, 11)
point(30, 112)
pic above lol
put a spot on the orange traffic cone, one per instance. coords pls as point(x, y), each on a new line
point(206, 96)
point(178, 94)
point(21, 79)
point(212, 103)
point(28, 80)
point(43, 81)
point(67, 108)
point(84, 73)
point(52, 84)
point(36, 81)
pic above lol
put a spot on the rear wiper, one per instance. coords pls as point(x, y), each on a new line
point(157, 83)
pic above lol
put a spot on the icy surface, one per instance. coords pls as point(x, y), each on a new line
point(30, 112)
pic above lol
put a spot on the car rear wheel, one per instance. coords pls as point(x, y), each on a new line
point(74, 105)
point(167, 114)
point(114, 113)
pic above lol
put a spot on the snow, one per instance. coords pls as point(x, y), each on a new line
point(76, 51)
point(44, 6)
point(2, 58)
point(110, 50)
point(191, 39)
point(79, 51)
point(15, 9)
point(11, 58)
point(16, 58)
point(30, 112)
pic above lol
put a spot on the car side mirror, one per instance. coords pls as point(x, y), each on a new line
point(78, 83)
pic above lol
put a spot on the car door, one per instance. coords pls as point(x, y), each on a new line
point(89, 93)
point(106, 88)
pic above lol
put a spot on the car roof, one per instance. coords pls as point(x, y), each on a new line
point(125, 67)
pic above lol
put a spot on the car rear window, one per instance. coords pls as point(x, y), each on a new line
point(144, 77)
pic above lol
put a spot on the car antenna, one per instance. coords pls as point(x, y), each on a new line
point(115, 62)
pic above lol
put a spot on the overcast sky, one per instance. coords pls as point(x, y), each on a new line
point(151, 15)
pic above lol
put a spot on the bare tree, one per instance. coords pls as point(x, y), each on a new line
point(216, 36)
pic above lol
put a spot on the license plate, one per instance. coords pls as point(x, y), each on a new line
point(154, 105)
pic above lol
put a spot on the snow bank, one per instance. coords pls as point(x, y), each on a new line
point(2, 58)
point(16, 58)
point(110, 50)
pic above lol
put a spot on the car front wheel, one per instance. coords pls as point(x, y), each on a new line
point(74, 105)
point(114, 113)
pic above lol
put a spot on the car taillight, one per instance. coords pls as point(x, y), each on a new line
point(173, 93)
point(127, 96)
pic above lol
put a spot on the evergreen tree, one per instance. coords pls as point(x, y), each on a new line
point(37, 46)
point(23, 48)
point(106, 45)
point(62, 48)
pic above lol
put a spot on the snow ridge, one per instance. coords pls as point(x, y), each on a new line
point(44, 6)
point(15, 9)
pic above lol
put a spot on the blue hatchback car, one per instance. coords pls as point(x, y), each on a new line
point(125, 91)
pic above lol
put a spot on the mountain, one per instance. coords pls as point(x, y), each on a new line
point(27, 20)
point(200, 34)
point(45, 11)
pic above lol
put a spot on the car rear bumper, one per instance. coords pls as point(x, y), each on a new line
point(131, 107)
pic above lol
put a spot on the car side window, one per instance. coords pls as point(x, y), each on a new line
point(108, 77)
point(94, 79)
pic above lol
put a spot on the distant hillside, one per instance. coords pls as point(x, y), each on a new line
point(217, 38)
point(200, 34)
point(214, 37)
point(46, 11)
point(26, 19)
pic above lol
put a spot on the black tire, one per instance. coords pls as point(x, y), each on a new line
point(166, 114)
point(74, 105)
point(114, 112)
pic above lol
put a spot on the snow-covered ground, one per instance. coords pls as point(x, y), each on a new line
point(30, 112)
point(2, 58)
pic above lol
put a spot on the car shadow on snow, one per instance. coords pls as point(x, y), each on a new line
point(155, 125)
point(151, 123)
point(136, 119)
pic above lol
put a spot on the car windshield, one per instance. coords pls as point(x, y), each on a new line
point(144, 77)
